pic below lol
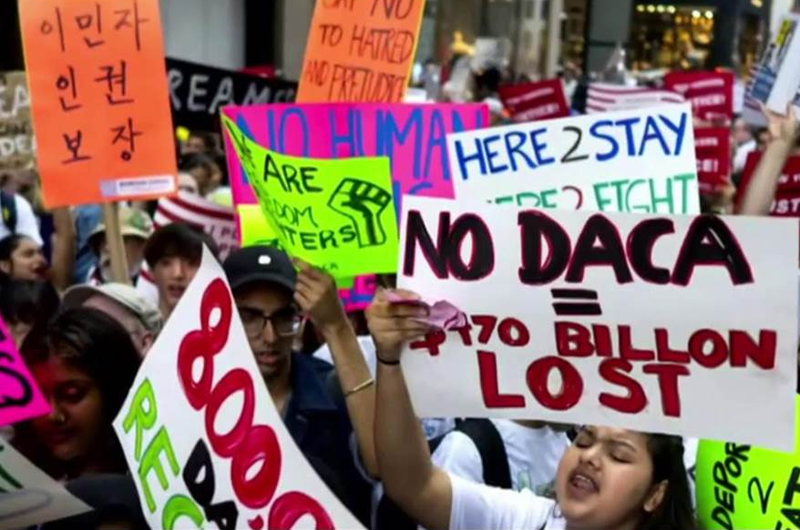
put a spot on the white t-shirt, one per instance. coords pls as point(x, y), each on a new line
point(533, 454)
point(479, 506)
point(27, 225)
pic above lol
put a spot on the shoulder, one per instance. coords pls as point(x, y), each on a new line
point(458, 454)
point(481, 506)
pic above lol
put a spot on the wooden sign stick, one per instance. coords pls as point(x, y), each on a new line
point(116, 247)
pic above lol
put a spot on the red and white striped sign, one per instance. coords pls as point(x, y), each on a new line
point(217, 221)
point(604, 97)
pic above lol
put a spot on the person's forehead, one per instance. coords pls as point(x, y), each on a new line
point(262, 295)
point(618, 434)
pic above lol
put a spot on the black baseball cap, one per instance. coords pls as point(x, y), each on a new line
point(260, 264)
point(178, 239)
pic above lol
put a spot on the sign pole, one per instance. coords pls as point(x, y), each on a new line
point(116, 247)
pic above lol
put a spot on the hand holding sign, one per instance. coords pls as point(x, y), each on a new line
point(393, 323)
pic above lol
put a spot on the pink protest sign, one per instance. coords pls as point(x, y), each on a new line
point(360, 295)
point(20, 397)
point(412, 136)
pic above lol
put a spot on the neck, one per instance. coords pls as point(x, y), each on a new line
point(165, 308)
point(279, 385)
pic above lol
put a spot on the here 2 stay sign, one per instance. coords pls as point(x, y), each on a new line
point(677, 324)
point(639, 161)
point(201, 435)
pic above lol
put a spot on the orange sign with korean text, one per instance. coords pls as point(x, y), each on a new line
point(360, 51)
point(100, 104)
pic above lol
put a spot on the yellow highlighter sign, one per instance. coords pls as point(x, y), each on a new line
point(336, 214)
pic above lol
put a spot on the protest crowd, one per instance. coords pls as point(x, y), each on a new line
point(222, 318)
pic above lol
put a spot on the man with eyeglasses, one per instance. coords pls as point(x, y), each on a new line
point(272, 299)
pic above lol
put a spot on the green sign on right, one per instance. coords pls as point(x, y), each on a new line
point(744, 487)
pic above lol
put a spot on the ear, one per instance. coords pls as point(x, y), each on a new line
point(656, 496)
point(5, 267)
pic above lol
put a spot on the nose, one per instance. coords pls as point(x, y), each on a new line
point(270, 337)
point(591, 455)
point(57, 414)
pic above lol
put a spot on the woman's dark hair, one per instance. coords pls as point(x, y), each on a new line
point(91, 341)
point(7, 247)
point(675, 511)
point(33, 302)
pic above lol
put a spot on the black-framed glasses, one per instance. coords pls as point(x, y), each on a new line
point(285, 322)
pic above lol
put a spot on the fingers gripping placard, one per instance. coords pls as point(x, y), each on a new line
point(630, 321)
point(336, 214)
point(194, 464)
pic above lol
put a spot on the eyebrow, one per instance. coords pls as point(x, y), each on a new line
point(625, 443)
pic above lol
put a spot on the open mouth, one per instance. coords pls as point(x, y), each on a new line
point(583, 482)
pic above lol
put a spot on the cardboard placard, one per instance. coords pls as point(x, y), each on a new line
point(198, 92)
point(710, 93)
point(17, 143)
point(335, 214)
point(194, 466)
point(20, 397)
point(359, 52)
point(100, 100)
point(787, 196)
point(640, 161)
point(777, 81)
point(412, 136)
point(742, 486)
point(713, 151)
point(543, 100)
point(28, 496)
point(216, 220)
point(604, 97)
point(630, 321)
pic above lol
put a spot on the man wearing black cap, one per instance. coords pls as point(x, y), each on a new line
point(270, 296)
point(173, 254)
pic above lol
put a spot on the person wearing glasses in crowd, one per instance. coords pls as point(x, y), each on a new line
point(320, 406)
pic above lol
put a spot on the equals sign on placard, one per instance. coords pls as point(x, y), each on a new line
point(575, 302)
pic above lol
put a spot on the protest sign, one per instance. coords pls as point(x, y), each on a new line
point(100, 100)
point(777, 81)
point(544, 100)
point(713, 151)
point(198, 92)
point(197, 456)
point(360, 54)
point(604, 97)
point(335, 214)
point(20, 397)
point(412, 136)
point(787, 196)
point(217, 221)
point(28, 496)
point(742, 486)
point(710, 93)
point(360, 296)
point(632, 321)
point(17, 143)
point(639, 161)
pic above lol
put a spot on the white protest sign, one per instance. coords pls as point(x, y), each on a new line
point(28, 496)
point(675, 324)
point(777, 79)
point(640, 161)
point(202, 436)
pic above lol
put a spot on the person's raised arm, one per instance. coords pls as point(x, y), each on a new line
point(760, 193)
point(319, 299)
point(423, 491)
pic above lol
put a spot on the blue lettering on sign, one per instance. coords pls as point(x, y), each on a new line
point(539, 147)
point(515, 149)
point(389, 133)
point(492, 154)
point(652, 132)
point(679, 129)
point(464, 158)
point(628, 124)
point(351, 139)
point(597, 133)
point(437, 139)
point(284, 134)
